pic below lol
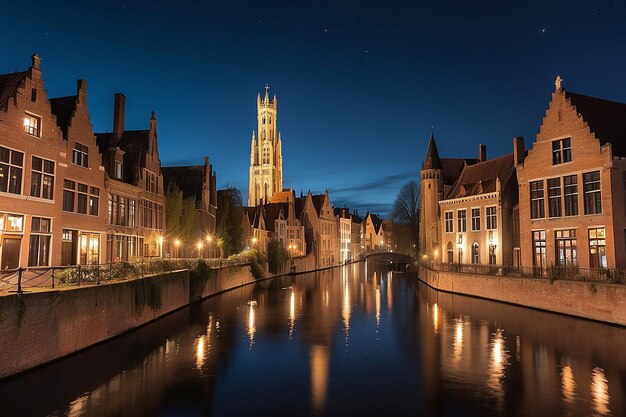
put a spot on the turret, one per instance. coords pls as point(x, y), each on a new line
point(431, 192)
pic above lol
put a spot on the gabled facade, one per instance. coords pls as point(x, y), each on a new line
point(44, 182)
point(573, 185)
point(344, 230)
point(373, 233)
point(134, 185)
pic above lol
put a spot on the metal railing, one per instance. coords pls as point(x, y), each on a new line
point(568, 273)
point(19, 280)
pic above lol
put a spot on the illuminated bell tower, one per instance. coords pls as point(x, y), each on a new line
point(266, 160)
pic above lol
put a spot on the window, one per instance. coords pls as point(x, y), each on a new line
point(591, 188)
point(565, 242)
point(449, 222)
point(450, 253)
point(266, 155)
point(42, 178)
point(32, 124)
point(597, 247)
point(93, 201)
point(118, 170)
point(539, 248)
point(39, 243)
point(475, 254)
point(81, 207)
point(476, 219)
point(570, 185)
point(554, 197)
point(11, 222)
point(462, 220)
point(131, 213)
point(68, 195)
point(151, 182)
point(561, 151)
point(11, 163)
point(80, 155)
point(492, 254)
point(86, 198)
point(537, 208)
point(492, 218)
point(33, 95)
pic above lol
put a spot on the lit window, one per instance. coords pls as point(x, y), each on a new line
point(14, 223)
point(39, 242)
point(565, 241)
point(462, 220)
point(32, 124)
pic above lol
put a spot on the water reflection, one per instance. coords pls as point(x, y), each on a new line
point(600, 391)
point(568, 385)
point(440, 354)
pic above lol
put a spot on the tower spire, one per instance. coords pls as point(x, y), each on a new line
point(432, 160)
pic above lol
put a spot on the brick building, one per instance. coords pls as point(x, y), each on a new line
point(572, 184)
point(135, 217)
point(51, 180)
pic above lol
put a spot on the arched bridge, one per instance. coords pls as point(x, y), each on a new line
point(399, 261)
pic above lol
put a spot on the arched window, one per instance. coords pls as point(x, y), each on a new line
point(475, 253)
point(450, 252)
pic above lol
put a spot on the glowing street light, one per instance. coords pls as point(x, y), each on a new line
point(199, 246)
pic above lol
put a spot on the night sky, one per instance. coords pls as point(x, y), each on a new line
point(360, 84)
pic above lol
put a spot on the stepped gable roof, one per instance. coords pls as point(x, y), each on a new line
point(9, 83)
point(63, 108)
point(480, 178)
point(189, 179)
point(432, 160)
point(606, 119)
point(451, 168)
point(342, 212)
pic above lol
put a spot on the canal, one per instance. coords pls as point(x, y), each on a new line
point(357, 340)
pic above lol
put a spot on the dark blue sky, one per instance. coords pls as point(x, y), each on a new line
point(359, 83)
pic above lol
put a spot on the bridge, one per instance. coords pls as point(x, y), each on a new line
point(399, 262)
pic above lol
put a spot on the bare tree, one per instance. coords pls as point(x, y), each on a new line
point(406, 217)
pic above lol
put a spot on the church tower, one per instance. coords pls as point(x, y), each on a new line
point(266, 159)
point(431, 192)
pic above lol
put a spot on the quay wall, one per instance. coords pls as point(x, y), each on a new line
point(595, 301)
point(39, 327)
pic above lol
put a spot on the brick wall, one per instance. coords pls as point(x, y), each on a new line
point(596, 301)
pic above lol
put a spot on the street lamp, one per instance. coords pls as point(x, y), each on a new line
point(209, 238)
point(160, 240)
point(199, 245)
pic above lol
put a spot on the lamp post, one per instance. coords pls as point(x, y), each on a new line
point(199, 246)
point(209, 238)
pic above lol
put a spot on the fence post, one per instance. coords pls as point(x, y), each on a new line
point(98, 280)
point(52, 277)
point(19, 280)
point(110, 271)
point(78, 269)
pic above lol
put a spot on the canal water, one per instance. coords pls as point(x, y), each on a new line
point(358, 340)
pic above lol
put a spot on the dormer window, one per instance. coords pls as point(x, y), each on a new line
point(561, 151)
point(32, 124)
point(80, 155)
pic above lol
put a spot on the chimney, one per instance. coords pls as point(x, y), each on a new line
point(35, 68)
point(81, 89)
point(519, 151)
point(118, 116)
point(482, 153)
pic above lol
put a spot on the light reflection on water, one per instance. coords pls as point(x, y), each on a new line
point(426, 353)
